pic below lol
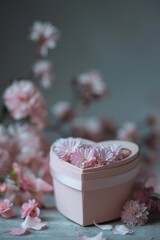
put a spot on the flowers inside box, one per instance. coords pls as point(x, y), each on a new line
point(93, 181)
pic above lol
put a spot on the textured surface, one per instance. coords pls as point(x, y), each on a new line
point(60, 228)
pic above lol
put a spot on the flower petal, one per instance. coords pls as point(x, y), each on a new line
point(18, 231)
point(97, 237)
point(122, 230)
point(33, 223)
point(43, 186)
point(104, 226)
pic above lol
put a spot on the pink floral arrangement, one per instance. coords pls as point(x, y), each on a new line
point(24, 148)
point(82, 155)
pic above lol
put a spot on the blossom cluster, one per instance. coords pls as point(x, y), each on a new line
point(77, 152)
point(24, 161)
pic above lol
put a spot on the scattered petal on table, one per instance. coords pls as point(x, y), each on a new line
point(97, 237)
point(33, 223)
point(18, 231)
point(104, 226)
point(122, 230)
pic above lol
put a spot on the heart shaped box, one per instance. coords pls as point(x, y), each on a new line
point(95, 194)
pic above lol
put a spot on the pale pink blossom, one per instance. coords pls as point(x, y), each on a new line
point(5, 162)
point(134, 213)
point(30, 208)
point(84, 157)
point(46, 35)
point(29, 182)
point(128, 131)
point(108, 154)
point(6, 209)
point(89, 86)
point(93, 125)
point(43, 71)
point(33, 223)
point(64, 147)
point(23, 99)
point(31, 145)
point(97, 237)
point(94, 80)
point(6, 142)
point(63, 110)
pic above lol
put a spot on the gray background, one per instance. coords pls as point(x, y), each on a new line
point(121, 39)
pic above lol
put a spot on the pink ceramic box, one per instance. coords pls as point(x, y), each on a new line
point(95, 194)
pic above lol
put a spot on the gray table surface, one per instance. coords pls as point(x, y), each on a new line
point(59, 227)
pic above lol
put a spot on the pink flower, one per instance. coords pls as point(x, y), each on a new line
point(42, 69)
point(84, 157)
point(128, 132)
point(30, 208)
point(89, 86)
point(3, 188)
point(46, 35)
point(64, 147)
point(31, 145)
point(134, 213)
point(6, 210)
point(63, 111)
point(5, 162)
point(94, 80)
point(23, 99)
point(108, 154)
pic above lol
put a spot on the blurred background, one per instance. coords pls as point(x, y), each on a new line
point(121, 39)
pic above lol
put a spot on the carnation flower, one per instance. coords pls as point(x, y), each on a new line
point(30, 208)
point(65, 147)
point(23, 99)
point(46, 35)
point(108, 154)
point(6, 210)
point(63, 111)
point(84, 157)
point(42, 69)
point(134, 213)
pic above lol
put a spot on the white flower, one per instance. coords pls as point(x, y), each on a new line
point(46, 34)
point(93, 125)
point(42, 69)
point(64, 147)
point(127, 132)
point(61, 108)
point(94, 80)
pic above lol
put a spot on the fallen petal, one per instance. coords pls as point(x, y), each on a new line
point(33, 223)
point(122, 230)
point(97, 237)
point(18, 231)
point(104, 226)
